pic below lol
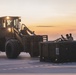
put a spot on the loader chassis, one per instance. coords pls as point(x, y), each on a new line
point(13, 41)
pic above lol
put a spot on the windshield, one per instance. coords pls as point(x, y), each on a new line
point(11, 21)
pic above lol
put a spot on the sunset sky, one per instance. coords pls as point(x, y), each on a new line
point(52, 17)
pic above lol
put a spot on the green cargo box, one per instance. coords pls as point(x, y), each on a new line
point(63, 51)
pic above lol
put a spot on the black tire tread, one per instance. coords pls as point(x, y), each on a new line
point(15, 49)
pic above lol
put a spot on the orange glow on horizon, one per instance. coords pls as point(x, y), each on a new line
point(51, 17)
point(55, 31)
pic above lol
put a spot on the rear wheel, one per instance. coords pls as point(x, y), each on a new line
point(34, 54)
point(12, 49)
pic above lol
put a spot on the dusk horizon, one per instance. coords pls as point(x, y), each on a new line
point(50, 17)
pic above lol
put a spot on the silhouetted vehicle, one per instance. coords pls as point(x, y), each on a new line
point(16, 38)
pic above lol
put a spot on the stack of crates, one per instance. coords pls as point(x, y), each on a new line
point(62, 51)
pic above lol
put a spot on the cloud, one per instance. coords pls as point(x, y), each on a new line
point(72, 30)
point(45, 26)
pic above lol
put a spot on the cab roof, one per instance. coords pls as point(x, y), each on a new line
point(9, 16)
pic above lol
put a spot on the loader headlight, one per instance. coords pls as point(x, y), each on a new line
point(7, 17)
point(9, 29)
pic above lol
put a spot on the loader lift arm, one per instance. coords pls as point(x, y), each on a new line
point(27, 29)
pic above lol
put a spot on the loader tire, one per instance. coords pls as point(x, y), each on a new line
point(12, 49)
point(32, 54)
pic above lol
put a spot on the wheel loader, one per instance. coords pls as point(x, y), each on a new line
point(16, 38)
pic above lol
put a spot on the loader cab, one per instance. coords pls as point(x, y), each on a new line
point(9, 21)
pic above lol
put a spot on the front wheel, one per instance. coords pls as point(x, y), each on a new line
point(34, 51)
point(12, 49)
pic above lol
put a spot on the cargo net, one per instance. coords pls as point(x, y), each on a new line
point(68, 37)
